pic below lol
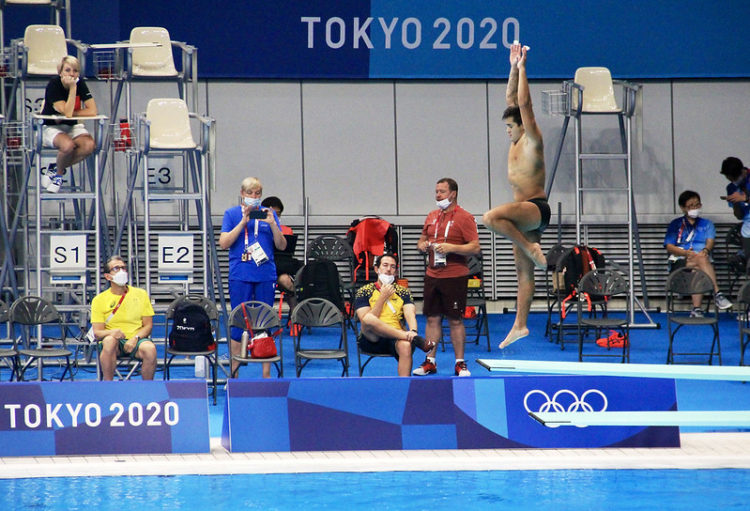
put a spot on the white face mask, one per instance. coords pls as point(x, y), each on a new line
point(386, 279)
point(694, 213)
point(120, 278)
point(252, 202)
point(443, 204)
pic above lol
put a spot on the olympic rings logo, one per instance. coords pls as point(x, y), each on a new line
point(565, 400)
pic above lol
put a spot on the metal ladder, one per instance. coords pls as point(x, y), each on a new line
point(568, 101)
point(66, 224)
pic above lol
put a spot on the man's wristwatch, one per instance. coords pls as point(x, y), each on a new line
point(137, 337)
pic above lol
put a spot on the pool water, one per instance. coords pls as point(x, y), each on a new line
point(558, 490)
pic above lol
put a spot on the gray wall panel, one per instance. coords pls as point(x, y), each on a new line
point(711, 122)
point(257, 134)
point(349, 150)
point(442, 132)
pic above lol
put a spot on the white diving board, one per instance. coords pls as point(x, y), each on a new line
point(689, 372)
point(731, 418)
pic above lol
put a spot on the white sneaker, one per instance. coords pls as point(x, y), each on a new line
point(426, 368)
point(55, 184)
point(461, 369)
point(47, 176)
point(722, 302)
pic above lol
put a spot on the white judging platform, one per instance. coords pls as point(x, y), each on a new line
point(722, 418)
point(689, 372)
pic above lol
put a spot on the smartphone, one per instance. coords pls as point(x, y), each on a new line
point(257, 214)
point(723, 197)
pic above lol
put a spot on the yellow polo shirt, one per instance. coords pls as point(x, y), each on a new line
point(129, 317)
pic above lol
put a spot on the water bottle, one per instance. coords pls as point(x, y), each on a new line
point(200, 366)
point(245, 341)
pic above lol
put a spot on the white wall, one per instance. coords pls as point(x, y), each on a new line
point(377, 147)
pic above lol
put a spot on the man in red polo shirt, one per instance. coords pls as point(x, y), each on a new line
point(448, 236)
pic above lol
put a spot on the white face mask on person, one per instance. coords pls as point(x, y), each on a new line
point(120, 278)
point(252, 202)
point(694, 213)
point(386, 279)
point(443, 204)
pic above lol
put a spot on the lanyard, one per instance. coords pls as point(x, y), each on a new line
point(690, 235)
point(111, 314)
point(390, 305)
point(447, 225)
point(255, 233)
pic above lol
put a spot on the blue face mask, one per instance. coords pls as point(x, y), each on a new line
point(252, 202)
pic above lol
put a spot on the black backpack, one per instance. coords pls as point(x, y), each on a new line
point(320, 279)
point(572, 266)
point(191, 329)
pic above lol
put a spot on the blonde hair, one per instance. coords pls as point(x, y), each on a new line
point(250, 183)
point(69, 59)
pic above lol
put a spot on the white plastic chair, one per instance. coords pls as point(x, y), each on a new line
point(46, 47)
point(170, 124)
point(598, 90)
point(155, 61)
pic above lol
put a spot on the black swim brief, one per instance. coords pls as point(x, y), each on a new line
point(544, 211)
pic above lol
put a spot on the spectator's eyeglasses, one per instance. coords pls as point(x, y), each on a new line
point(115, 269)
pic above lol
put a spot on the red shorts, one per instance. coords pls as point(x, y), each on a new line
point(445, 297)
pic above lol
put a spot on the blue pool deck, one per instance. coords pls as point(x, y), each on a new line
point(700, 448)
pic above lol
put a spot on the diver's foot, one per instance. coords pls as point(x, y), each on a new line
point(514, 335)
point(537, 256)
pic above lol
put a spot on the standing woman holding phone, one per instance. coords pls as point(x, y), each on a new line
point(251, 233)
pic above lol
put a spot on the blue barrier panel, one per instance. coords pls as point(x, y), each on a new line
point(437, 413)
point(132, 417)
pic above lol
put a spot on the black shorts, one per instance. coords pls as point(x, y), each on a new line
point(384, 346)
point(676, 265)
point(544, 212)
point(445, 297)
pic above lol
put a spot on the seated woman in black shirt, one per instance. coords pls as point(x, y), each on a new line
point(67, 95)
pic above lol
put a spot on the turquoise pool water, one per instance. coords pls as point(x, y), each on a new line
point(558, 490)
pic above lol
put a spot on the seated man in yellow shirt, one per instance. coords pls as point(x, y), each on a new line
point(122, 318)
point(382, 307)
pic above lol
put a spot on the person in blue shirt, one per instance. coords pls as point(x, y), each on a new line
point(689, 241)
point(738, 196)
point(251, 233)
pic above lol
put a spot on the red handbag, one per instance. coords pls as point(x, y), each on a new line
point(261, 345)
